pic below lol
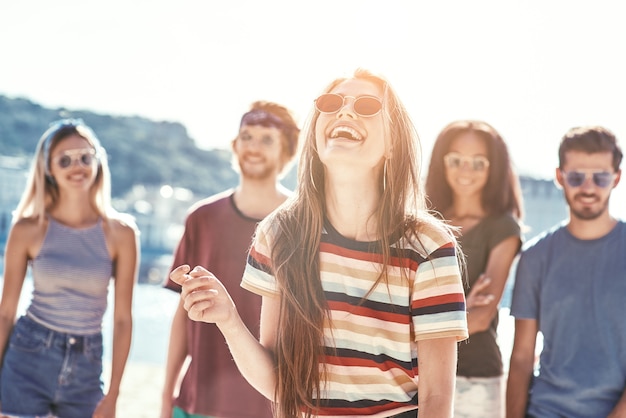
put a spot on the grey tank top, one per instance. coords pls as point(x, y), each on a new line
point(71, 276)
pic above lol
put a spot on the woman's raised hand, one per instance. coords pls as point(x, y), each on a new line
point(204, 297)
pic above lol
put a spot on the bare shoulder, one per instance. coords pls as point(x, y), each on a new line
point(29, 226)
point(27, 235)
point(29, 230)
point(121, 229)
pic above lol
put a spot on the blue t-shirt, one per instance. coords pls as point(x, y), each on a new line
point(576, 290)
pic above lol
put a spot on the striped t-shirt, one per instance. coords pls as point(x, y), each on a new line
point(371, 350)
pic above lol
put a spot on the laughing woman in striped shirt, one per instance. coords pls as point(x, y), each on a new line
point(363, 303)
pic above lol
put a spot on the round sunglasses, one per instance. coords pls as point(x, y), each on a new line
point(365, 106)
point(577, 178)
point(85, 157)
point(456, 160)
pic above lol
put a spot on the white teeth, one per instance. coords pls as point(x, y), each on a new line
point(346, 132)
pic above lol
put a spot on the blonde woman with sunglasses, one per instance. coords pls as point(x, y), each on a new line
point(471, 183)
point(67, 233)
point(363, 302)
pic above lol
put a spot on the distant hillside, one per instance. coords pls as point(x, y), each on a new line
point(140, 150)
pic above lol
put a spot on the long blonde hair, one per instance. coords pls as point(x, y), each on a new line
point(42, 192)
point(297, 228)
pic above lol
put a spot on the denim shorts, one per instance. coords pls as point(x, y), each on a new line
point(50, 373)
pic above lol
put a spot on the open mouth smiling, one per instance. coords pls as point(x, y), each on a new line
point(345, 132)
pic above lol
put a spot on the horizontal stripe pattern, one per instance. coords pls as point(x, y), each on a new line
point(371, 349)
point(71, 276)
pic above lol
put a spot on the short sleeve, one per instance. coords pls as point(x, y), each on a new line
point(525, 300)
point(258, 276)
point(438, 301)
point(504, 227)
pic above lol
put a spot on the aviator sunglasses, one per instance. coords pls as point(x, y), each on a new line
point(85, 157)
point(577, 178)
point(365, 106)
point(456, 160)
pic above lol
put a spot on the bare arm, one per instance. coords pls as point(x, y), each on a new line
point(497, 271)
point(620, 409)
point(437, 360)
point(478, 295)
point(15, 265)
point(521, 367)
point(126, 257)
point(176, 355)
point(206, 300)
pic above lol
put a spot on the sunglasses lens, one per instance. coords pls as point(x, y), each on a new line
point(367, 106)
point(479, 164)
point(329, 103)
point(456, 161)
point(575, 179)
point(602, 179)
point(65, 161)
point(86, 159)
point(363, 106)
point(452, 161)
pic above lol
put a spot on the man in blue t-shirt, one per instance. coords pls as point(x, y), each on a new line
point(571, 286)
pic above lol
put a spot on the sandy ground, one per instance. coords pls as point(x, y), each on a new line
point(140, 394)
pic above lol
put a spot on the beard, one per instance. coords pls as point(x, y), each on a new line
point(257, 171)
point(585, 213)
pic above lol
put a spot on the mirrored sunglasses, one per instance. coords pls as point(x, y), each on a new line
point(85, 157)
point(577, 178)
point(365, 106)
point(456, 160)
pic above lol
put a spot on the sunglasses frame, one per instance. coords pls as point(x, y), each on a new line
point(76, 155)
point(354, 104)
point(600, 178)
point(472, 162)
point(54, 128)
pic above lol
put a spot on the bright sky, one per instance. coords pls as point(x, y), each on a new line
point(531, 68)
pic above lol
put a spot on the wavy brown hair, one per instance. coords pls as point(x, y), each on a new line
point(501, 194)
point(297, 228)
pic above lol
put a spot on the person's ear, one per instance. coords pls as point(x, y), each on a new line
point(618, 176)
point(389, 151)
point(558, 178)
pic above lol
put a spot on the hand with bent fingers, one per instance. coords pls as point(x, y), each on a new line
point(204, 297)
point(476, 298)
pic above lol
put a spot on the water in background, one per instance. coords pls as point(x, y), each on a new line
point(153, 309)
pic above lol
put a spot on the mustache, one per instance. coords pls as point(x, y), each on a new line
point(251, 153)
point(586, 195)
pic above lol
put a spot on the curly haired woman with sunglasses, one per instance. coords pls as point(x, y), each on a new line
point(66, 231)
point(363, 302)
point(471, 183)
